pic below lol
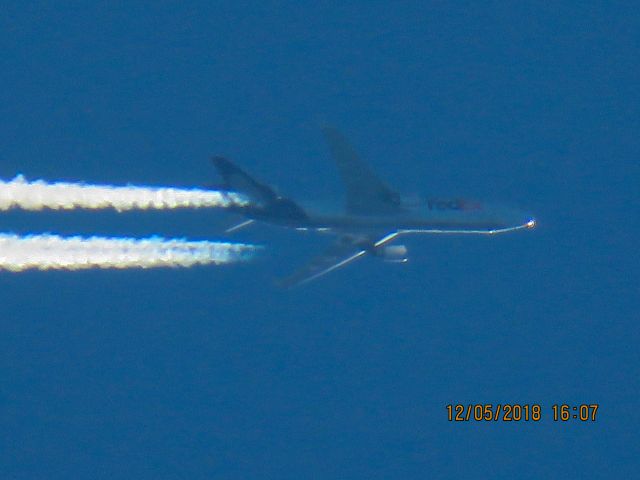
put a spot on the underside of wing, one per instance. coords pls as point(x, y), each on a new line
point(366, 193)
point(344, 251)
point(337, 255)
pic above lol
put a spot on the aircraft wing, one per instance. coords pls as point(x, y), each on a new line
point(345, 250)
point(366, 193)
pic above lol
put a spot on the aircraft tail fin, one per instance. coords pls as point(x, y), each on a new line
point(265, 202)
point(235, 179)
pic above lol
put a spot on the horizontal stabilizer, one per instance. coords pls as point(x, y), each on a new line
point(239, 226)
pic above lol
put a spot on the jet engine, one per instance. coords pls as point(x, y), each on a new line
point(393, 253)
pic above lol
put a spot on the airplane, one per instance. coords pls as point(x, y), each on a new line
point(372, 218)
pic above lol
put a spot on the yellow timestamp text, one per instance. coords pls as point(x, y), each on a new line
point(518, 412)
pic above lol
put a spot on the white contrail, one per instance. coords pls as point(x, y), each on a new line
point(47, 251)
point(36, 195)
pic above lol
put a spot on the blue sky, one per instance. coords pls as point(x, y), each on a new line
point(215, 373)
